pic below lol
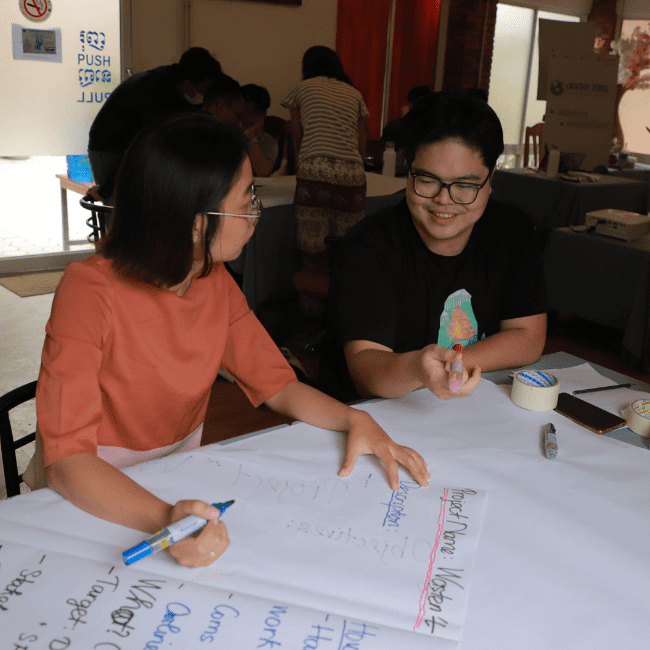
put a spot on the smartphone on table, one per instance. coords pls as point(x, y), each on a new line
point(587, 415)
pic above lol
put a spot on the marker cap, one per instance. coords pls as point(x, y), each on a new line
point(136, 553)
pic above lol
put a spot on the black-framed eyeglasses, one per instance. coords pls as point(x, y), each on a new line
point(428, 187)
point(256, 209)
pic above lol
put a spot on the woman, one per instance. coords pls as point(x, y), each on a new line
point(139, 331)
point(328, 123)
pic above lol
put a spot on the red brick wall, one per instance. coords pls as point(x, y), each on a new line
point(470, 36)
point(604, 12)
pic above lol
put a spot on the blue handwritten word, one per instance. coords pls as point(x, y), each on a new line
point(272, 623)
point(353, 638)
point(93, 39)
point(311, 642)
point(395, 506)
point(215, 621)
point(88, 77)
point(174, 610)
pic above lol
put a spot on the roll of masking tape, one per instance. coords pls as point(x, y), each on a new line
point(535, 390)
point(637, 415)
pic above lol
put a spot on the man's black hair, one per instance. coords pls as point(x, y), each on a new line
point(222, 86)
point(416, 93)
point(453, 115)
point(197, 64)
point(258, 95)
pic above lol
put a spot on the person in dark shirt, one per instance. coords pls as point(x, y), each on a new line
point(447, 265)
point(392, 132)
point(138, 101)
point(223, 100)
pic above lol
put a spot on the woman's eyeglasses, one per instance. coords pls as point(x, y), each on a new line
point(256, 209)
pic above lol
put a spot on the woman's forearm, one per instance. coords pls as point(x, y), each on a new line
point(104, 491)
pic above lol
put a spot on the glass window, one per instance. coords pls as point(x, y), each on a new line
point(513, 91)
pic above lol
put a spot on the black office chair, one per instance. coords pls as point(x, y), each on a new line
point(99, 218)
point(8, 445)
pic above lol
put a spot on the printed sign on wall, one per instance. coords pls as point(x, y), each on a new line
point(95, 66)
point(580, 100)
point(31, 44)
point(35, 10)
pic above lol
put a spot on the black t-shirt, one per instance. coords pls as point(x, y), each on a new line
point(389, 288)
point(393, 133)
point(136, 102)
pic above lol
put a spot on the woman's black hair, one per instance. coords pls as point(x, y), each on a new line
point(453, 115)
point(174, 169)
point(321, 61)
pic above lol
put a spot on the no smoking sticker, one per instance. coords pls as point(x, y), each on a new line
point(36, 10)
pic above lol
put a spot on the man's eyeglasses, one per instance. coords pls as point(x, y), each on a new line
point(461, 192)
point(256, 209)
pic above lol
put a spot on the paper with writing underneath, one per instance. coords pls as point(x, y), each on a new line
point(563, 545)
point(57, 601)
point(302, 536)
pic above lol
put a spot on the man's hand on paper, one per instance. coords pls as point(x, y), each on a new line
point(435, 363)
point(365, 436)
point(203, 548)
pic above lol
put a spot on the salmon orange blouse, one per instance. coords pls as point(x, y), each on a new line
point(126, 364)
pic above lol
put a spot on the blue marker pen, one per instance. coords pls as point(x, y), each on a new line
point(167, 536)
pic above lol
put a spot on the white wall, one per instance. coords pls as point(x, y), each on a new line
point(45, 109)
point(262, 43)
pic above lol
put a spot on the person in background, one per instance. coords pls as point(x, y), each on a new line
point(138, 332)
point(264, 147)
point(329, 128)
point(140, 100)
point(392, 132)
point(223, 100)
point(446, 265)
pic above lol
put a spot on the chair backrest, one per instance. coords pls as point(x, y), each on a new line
point(8, 445)
point(533, 137)
point(99, 218)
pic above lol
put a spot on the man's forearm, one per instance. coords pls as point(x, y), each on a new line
point(262, 166)
point(509, 348)
point(381, 373)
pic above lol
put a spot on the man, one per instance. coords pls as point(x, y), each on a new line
point(446, 265)
point(138, 101)
point(392, 132)
point(264, 147)
point(223, 100)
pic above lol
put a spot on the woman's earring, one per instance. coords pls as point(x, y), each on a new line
point(196, 238)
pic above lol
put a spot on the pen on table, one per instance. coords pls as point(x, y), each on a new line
point(170, 535)
point(596, 390)
point(456, 371)
point(550, 442)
